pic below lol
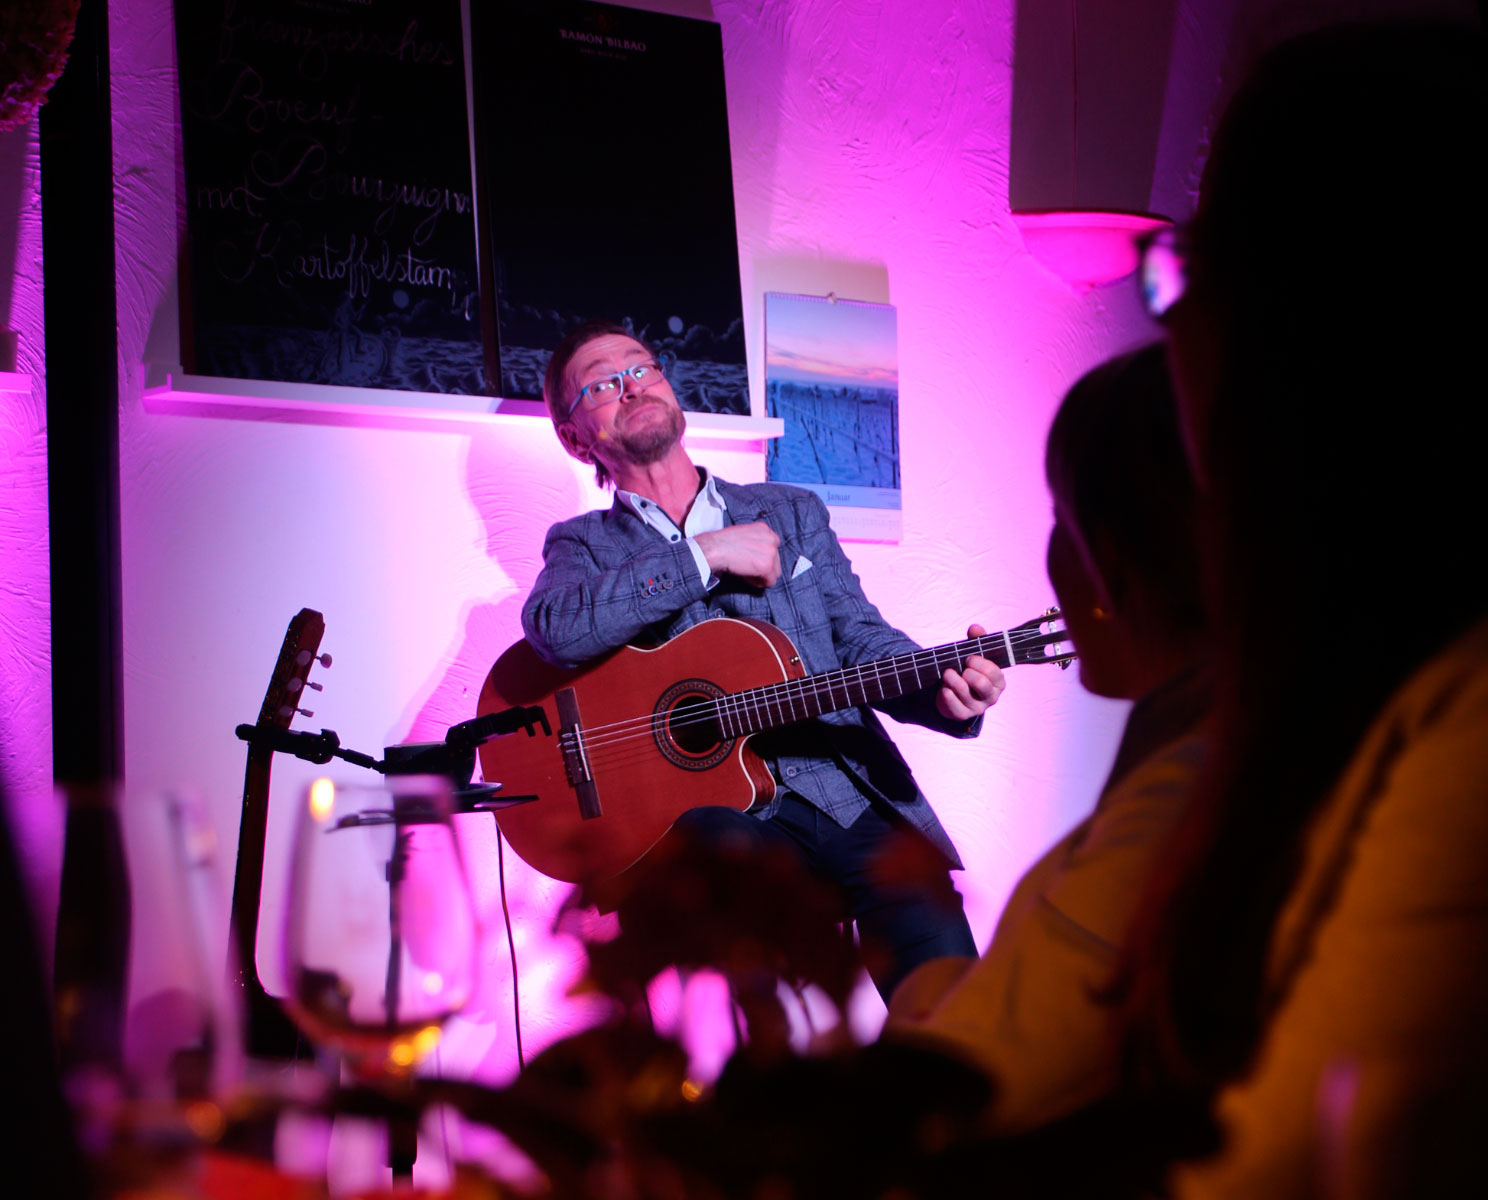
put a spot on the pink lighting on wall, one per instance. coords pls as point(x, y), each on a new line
point(872, 165)
point(1085, 248)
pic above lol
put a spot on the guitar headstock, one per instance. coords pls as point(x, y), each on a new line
point(1042, 640)
point(291, 677)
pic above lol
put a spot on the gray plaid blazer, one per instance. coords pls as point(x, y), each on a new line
point(609, 579)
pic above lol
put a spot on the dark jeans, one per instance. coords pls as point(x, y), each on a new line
point(911, 924)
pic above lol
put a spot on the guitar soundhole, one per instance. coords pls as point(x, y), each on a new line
point(685, 725)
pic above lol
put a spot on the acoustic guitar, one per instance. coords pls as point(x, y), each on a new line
point(268, 1033)
point(640, 736)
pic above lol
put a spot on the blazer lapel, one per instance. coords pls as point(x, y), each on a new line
point(742, 508)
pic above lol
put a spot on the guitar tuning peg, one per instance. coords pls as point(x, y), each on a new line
point(289, 710)
point(294, 685)
point(315, 687)
point(324, 660)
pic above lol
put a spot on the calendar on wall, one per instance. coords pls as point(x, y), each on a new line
point(832, 377)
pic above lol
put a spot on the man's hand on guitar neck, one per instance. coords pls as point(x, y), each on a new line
point(751, 552)
point(966, 695)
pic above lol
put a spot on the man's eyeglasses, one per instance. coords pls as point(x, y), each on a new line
point(609, 388)
point(1162, 268)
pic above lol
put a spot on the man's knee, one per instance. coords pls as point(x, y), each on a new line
point(720, 828)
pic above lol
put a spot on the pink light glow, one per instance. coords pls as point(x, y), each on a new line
point(25, 628)
point(1085, 248)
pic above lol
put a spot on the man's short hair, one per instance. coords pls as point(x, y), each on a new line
point(564, 353)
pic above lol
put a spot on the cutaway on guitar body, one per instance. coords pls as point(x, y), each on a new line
point(644, 735)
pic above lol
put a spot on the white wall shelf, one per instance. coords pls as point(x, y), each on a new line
point(172, 390)
point(19, 383)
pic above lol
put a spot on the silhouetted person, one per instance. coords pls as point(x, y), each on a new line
point(1121, 559)
point(1316, 960)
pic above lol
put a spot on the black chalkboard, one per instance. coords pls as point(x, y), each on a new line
point(601, 137)
point(330, 234)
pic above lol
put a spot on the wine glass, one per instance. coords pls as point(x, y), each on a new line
point(380, 929)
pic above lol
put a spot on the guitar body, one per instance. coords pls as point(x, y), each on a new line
point(648, 752)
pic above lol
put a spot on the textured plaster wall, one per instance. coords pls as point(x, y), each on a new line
point(870, 150)
point(871, 158)
point(25, 632)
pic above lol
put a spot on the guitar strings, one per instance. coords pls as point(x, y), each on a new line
point(630, 741)
point(812, 687)
point(607, 737)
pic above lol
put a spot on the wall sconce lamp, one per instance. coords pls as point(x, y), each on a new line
point(1085, 247)
point(1089, 100)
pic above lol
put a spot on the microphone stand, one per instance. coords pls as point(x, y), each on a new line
point(453, 758)
point(402, 1132)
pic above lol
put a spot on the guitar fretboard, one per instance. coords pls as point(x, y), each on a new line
point(777, 704)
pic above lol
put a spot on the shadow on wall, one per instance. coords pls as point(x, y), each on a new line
point(518, 486)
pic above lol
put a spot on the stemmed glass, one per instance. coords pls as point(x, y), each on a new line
point(380, 929)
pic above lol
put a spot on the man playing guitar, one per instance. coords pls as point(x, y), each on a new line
point(679, 546)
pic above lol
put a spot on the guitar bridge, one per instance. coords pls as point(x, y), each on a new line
point(575, 760)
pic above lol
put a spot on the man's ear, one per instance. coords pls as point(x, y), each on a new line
point(573, 442)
